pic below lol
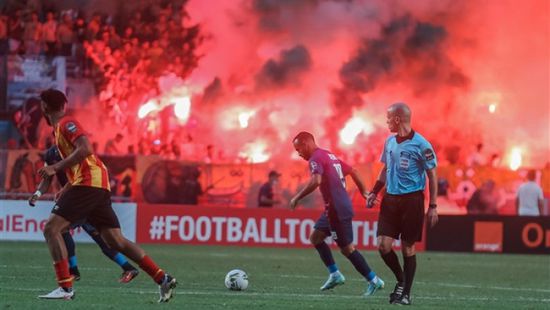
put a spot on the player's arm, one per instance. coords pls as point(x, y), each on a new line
point(378, 186)
point(359, 182)
point(313, 183)
point(43, 187)
point(83, 149)
point(432, 184)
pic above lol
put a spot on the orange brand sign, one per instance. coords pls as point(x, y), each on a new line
point(488, 237)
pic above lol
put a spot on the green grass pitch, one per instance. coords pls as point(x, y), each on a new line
point(279, 279)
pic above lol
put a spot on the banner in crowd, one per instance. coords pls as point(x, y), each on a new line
point(21, 166)
point(497, 234)
point(152, 179)
point(19, 221)
point(242, 226)
point(28, 75)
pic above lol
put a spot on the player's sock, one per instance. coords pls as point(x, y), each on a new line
point(361, 265)
point(326, 256)
point(409, 269)
point(392, 261)
point(64, 278)
point(149, 266)
point(72, 261)
point(122, 261)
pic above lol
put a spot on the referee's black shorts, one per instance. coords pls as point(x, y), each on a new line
point(402, 216)
point(82, 204)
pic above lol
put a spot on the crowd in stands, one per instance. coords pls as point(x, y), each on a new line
point(125, 56)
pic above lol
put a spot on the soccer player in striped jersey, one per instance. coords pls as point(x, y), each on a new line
point(329, 174)
point(129, 272)
point(87, 199)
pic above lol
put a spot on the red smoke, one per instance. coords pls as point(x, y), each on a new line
point(472, 71)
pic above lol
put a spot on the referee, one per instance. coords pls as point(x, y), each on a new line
point(408, 157)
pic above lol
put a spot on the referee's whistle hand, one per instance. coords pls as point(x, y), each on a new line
point(432, 217)
point(371, 199)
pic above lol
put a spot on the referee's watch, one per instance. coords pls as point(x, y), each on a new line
point(433, 206)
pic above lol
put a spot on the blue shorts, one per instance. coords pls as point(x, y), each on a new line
point(341, 231)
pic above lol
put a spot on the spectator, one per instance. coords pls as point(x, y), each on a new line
point(93, 27)
point(266, 196)
point(192, 189)
point(66, 36)
point(15, 31)
point(484, 200)
point(112, 147)
point(49, 31)
point(477, 158)
point(495, 160)
point(33, 35)
point(3, 34)
point(529, 200)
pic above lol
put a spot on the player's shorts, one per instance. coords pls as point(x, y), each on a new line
point(402, 216)
point(81, 204)
point(341, 231)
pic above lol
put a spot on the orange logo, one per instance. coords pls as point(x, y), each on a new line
point(488, 237)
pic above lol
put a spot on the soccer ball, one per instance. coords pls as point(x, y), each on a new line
point(236, 280)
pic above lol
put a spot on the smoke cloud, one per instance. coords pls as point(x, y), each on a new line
point(313, 65)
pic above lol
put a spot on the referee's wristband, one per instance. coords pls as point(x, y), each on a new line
point(377, 187)
point(432, 206)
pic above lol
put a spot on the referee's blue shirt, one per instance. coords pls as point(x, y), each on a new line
point(406, 163)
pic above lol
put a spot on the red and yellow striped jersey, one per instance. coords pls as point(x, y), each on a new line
point(91, 171)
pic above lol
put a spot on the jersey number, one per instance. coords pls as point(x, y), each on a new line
point(338, 168)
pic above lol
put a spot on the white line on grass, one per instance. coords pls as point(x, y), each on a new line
point(297, 276)
point(129, 291)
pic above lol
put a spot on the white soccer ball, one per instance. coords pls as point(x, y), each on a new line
point(236, 280)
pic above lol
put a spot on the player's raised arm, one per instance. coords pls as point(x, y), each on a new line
point(83, 149)
point(313, 183)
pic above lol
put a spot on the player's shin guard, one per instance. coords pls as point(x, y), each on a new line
point(326, 256)
point(149, 266)
point(392, 262)
point(409, 269)
point(361, 265)
point(64, 278)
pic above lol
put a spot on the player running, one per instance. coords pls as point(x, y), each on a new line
point(328, 173)
point(129, 272)
point(87, 199)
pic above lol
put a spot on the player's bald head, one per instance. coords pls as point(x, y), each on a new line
point(303, 137)
point(402, 110)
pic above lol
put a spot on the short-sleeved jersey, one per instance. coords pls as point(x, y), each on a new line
point(91, 171)
point(406, 162)
point(51, 157)
point(333, 183)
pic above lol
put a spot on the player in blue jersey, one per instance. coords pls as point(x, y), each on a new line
point(129, 271)
point(407, 157)
point(329, 174)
